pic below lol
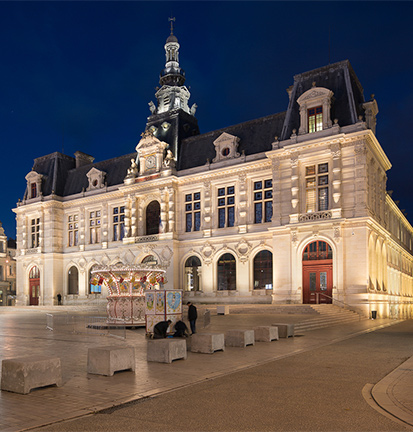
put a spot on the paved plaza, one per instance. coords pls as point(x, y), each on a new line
point(320, 380)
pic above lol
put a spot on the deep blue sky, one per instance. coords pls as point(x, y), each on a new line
point(79, 75)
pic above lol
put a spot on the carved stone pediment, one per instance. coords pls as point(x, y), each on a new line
point(150, 144)
point(226, 146)
point(96, 179)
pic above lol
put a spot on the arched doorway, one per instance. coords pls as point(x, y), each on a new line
point(34, 286)
point(153, 213)
point(73, 281)
point(192, 266)
point(227, 273)
point(317, 273)
point(263, 270)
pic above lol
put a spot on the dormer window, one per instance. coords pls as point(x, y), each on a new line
point(315, 107)
point(34, 185)
point(315, 119)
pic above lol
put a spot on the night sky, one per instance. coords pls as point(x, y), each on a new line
point(79, 75)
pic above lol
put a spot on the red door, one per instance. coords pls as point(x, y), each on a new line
point(317, 273)
point(34, 286)
point(318, 284)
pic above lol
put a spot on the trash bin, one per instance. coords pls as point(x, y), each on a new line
point(373, 314)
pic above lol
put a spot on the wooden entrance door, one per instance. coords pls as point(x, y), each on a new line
point(34, 286)
point(317, 273)
point(318, 284)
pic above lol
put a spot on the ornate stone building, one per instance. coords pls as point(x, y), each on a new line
point(7, 269)
point(289, 208)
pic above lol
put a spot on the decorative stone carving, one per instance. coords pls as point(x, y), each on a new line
point(208, 252)
point(335, 150)
point(226, 147)
point(96, 179)
point(337, 232)
point(294, 237)
point(243, 248)
point(307, 217)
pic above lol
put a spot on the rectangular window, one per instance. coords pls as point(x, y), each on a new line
point(263, 201)
point(118, 223)
point(193, 212)
point(226, 207)
point(316, 188)
point(315, 119)
point(35, 233)
point(94, 227)
point(33, 190)
point(73, 230)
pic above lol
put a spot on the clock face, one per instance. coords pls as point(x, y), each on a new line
point(150, 162)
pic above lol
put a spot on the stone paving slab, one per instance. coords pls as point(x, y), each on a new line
point(82, 394)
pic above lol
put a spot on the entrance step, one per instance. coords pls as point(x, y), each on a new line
point(328, 315)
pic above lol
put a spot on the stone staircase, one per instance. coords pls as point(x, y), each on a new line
point(327, 315)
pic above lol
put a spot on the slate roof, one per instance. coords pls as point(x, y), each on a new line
point(61, 175)
point(256, 136)
point(347, 99)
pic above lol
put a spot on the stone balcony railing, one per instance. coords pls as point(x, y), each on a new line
point(315, 216)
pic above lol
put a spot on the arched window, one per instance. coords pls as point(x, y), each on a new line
point(73, 281)
point(192, 270)
point(153, 213)
point(263, 270)
point(150, 259)
point(318, 250)
point(227, 273)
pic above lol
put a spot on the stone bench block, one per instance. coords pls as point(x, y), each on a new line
point(207, 343)
point(266, 333)
point(239, 338)
point(110, 359)
point(285, 330)
point(222, 310)
point(166, 350)
point(20, 375)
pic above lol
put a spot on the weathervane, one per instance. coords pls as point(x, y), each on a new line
point(172, 20)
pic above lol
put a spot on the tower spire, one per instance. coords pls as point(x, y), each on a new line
point(172, 20)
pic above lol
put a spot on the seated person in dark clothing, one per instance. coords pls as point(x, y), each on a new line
point(160, 329)
point(181, 330)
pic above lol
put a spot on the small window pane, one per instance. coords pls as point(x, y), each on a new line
point(188, 197)
point(188, 222)
point(230, 190)
point(323, 180)
point(257, 185)
point(221, 217)
point(221, 191)
point(188, 207)
point(310, 170)
point(268, 194)
point(197, 196)
point(268, 211)
point(257, 196)
point(268, 184)
point(197, 206)
point(231, 200)
point(323, 168)
point(221, 202)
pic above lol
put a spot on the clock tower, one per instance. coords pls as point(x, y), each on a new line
point(172, 120)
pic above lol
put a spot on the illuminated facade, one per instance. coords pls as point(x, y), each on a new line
point(289, 208)
point(7, 270)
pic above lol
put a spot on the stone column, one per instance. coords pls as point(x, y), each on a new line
point(128, 217)
point(207, 219)
point(295, 187)
point(360, 177)
point(276, 192)
point(82, 229)
point(171, 208)
point(336, 180)
point(243, 204)
point(164, 205)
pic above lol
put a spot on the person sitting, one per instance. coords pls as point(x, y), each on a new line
point(181, 330)
point(160, 329)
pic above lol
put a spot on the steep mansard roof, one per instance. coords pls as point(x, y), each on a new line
point(256, 136)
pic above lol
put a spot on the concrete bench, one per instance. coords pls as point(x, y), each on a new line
point(110, 359)
point(266, 333)
point(222, 310)
point(207, 343)
point(239, 338)
point(20, 375)
point(166, 350)
point(285, 330)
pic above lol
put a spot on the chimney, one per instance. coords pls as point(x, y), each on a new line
point(83, 159)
